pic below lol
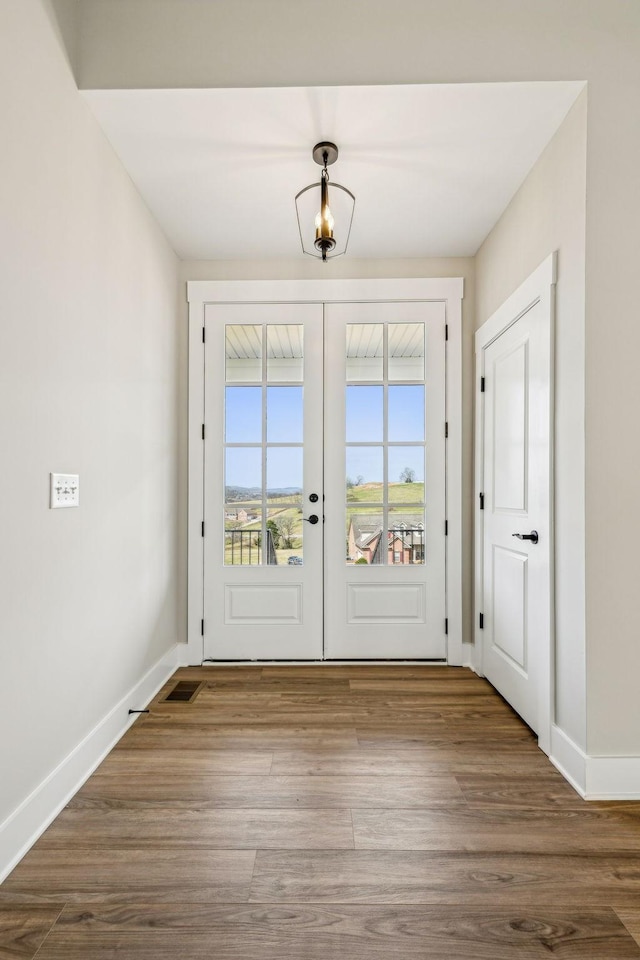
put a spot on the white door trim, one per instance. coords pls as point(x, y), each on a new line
point(537, 288)
point(202, 292)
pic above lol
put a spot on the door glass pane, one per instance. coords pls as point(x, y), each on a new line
point(243, 414)
point(284, 474)
point(365, 474)
point(405, 536)
point(406, 474)
point(243, 475)
point(385, 441)
point(406, 351)
point(243, 352)
point(263, 514)
point(284, 352)
point(284, 415)
point(364, 407)
point(242, 534)
point(364, 535)
point(365, 351)
point(285, 527)
point(406, 413)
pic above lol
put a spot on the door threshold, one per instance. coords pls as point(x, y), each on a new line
point(322, 663)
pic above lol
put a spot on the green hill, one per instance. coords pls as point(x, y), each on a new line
point(398, 493)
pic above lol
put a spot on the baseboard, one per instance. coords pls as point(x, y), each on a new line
point(469, 656)
point(183, 659)
point(23, 827)
point(613, 778)
point(595, 778)
point(569, 759)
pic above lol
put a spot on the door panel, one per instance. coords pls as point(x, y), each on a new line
point(516, 463)
point(263, 460)
point(509, 578)
point(385, 480)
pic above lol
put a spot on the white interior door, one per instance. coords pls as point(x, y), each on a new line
point(263, 482)
point(385, 480)
point(515, 599)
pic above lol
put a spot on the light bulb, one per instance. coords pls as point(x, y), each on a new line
point(328, 216)
point(324, 223)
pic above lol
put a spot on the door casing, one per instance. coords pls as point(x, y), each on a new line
point(538, 288)
point(203, 292)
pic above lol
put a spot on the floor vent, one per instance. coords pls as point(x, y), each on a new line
point(185, 691)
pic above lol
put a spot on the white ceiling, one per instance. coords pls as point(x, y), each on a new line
point(432, 167)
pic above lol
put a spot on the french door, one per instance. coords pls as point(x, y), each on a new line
point(263, 553)
point(323, 479)
point(385, 480)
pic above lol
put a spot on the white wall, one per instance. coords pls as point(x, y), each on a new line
point(88, 384)
point(548, 213)
point(306, 268)
point(187, 43)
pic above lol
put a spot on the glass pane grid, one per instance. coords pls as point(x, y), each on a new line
point(385, 445)
point(263, 444)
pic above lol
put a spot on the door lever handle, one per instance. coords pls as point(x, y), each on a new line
point(312, 519)
point(533, 536)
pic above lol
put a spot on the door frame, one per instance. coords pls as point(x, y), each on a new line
point(203, 292)
point(537, 288)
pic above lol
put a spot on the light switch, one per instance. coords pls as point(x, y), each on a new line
point(65, 490)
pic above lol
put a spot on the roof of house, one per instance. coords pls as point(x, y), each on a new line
point(368, 527)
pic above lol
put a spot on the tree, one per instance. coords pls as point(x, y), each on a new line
point(275, 535)
point(408, 475)
point(286, 525)
point(350, 483)
point(359, 480)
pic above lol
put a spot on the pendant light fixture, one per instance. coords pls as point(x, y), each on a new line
point(325, 211)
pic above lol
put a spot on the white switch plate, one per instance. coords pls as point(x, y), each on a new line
point(65, 490)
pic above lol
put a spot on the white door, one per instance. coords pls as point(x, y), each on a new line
point(514, 500)
point(324, 481)
point(262, 482)
point(385, 480)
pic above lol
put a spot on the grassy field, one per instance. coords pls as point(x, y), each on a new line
point(398, 493)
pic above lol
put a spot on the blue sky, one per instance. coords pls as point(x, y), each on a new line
point(364, 406)
point(244, 467)
point(364, 416)
point(244, 415)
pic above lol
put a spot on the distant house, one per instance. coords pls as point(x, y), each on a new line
point(241, 516)
point(404, 541)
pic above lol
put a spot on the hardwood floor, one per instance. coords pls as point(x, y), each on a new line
point(313, 813)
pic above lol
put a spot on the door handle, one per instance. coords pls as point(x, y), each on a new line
point(533, 536)
point(312, 519)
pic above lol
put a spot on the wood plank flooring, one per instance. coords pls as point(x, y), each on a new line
point(320, 812)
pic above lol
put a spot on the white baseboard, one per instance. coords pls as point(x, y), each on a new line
point(469, 656)
point(569, 759)
point(183, 659)
point(22, 828)
point(595, 778)
point(613, 778)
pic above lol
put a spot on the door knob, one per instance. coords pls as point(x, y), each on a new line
point(312, 519)
point(533, 536)
point(313, 497)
